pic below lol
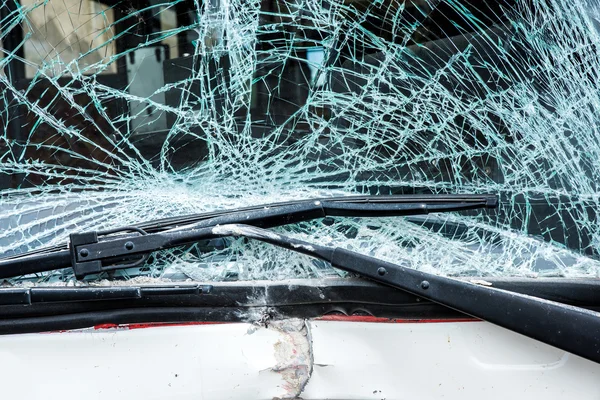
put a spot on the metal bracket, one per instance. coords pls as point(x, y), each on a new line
point(83, 245)
point(77, 244)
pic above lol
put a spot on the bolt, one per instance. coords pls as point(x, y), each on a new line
point(84, 252)
point(425, 285)
point(381, 271)
point(129, 245)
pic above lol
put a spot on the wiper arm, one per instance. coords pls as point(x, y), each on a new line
point(265, 216)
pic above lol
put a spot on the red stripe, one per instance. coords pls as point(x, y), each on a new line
point(369, 318)
point(345, 318)
point(154, 325)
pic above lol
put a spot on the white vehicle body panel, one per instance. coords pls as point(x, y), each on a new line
point(316, 359)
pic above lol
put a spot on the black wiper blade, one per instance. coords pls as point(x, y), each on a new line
point(285, 213)
point(264, 216)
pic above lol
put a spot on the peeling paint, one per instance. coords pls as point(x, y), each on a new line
point(480, 282)
point(303, 246)
point(241, 230)
point(293, 353)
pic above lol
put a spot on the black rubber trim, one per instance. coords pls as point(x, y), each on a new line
point(210, 314)
point(63, 308)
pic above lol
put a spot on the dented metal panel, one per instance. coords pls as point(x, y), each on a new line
point(292, 359)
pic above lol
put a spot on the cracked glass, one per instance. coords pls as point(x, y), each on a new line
point(118, 112)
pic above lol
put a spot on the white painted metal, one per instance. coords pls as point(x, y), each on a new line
point(349, 360)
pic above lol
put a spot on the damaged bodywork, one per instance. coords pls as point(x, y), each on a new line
point(117, 112)
point(196, 199)
point(293, 352)
point(243, 361)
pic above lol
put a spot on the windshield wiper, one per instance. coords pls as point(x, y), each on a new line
point(285, 213)
point(264, 216)
point(570, 328)
point(573, 329)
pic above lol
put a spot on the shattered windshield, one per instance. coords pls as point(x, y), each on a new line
point(121, 111)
